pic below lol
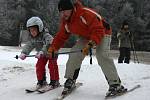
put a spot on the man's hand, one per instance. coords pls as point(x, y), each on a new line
point(52, 52)
point(85, 51)
point(87, 48)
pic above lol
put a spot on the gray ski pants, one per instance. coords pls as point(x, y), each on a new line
point(102, 54)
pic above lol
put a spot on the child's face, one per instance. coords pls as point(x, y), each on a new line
point(34, 31)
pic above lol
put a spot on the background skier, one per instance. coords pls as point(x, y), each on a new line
point(125, 38)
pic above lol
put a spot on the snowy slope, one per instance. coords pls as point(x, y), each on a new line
point(17, 75)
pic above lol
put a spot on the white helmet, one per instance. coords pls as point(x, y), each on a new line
point(35, 21)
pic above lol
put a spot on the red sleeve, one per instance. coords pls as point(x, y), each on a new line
point(97, 30)
point(96, 27)
point(109, 32)
point(60, 38)
point(108, 29)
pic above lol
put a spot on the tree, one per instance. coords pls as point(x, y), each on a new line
point(14, 13)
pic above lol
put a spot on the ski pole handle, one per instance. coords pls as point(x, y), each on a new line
point(17, 57)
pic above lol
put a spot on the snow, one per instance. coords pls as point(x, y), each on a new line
point(17, 75)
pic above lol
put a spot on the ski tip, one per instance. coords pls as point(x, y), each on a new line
point(138, 85)
point(59, 98)
point(41, 92)
point(28, 91)
point(128, 91)
point(79, 83)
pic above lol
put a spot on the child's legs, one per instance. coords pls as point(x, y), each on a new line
point(40, 69)
point(53, 69)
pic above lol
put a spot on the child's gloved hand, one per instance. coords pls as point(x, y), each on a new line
point(39, 54)
point(22, 56)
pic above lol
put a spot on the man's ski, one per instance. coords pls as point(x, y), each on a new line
point(77, 85)
point(47, 88)
point(120, 94)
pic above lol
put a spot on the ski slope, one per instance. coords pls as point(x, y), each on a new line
point(17, 75)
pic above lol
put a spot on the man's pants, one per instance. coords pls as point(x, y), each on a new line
point(102, 54)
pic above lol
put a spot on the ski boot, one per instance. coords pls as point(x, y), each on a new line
point(54, 83)
point(38, 86)
point(116, 90)
point(126, 61)
point(68, 86)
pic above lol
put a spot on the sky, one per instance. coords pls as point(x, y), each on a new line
point(18, 75)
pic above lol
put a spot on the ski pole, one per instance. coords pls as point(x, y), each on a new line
point(134, 51)
point(26, 56)
point(135, 54)
point(76, 51)
point(52, 53)
point(68, 52)
point(90, 53)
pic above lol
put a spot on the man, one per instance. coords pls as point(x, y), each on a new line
point(89, 27)
point(125, 39)
point(41, 40)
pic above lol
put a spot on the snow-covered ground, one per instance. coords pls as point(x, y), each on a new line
point(17, 75)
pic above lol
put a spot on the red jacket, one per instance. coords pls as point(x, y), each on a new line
point(83, 23)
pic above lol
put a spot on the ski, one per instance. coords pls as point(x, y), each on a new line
point(30, 90)
point(47, 88)
point(120, 94)
point(33, 89)
point(77, 85)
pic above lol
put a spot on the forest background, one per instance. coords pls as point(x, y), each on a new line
point(14, 14)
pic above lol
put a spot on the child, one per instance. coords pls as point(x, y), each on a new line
point(41, 40)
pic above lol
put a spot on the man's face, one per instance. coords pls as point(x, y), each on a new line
point(34, 31)
point(65, 14)
point(126, 27)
